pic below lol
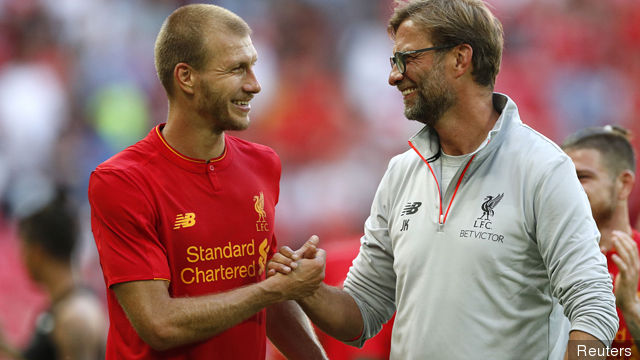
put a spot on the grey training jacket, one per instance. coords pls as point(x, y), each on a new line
point(485, 277)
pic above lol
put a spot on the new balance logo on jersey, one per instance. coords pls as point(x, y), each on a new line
point(411, 208)
point(184, 220)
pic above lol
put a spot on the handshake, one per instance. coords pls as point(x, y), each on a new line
point(297, 274)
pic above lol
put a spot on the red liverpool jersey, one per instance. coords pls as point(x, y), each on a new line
point(623, 339)
point(205, 226)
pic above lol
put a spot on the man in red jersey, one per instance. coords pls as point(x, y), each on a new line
point(184, 219)
point(605, 164)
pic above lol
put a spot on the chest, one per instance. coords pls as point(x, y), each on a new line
point(482, 226)
point(217, 229)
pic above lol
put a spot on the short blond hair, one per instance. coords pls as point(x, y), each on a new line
point(182, 37)
point(453, 22)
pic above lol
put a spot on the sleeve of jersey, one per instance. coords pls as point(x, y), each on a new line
point(123, 225)
point(568, 241)
point(371, 279)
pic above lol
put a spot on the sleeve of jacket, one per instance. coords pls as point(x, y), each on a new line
point(371, 280)
point(568, 240)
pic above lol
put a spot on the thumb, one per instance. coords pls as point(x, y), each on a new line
point(321, 256)
point(309, 249)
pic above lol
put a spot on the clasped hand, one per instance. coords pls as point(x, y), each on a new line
point(301, 272)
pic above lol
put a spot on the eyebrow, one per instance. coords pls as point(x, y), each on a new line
point(585, 172)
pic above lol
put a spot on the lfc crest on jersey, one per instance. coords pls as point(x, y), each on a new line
point(258, 206)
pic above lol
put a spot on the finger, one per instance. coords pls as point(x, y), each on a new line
point(623, 250)
point(286, 251)
point(616, 283)
point(630, 245)
point(624, 239)
point(280, 262)
point(308, 249)
point(309, 252)
point(622, 266)
point(321, 256)
point(281, 259)
point(283, 269)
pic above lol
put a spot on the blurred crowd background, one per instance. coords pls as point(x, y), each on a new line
point(78, 84)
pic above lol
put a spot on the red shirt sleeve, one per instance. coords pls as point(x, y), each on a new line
point(123, 223)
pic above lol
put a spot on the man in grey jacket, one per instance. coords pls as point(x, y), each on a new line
point(480, 236)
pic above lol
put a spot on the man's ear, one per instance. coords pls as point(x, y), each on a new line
point(624, 183)
point(184, 77)
point(463, 54)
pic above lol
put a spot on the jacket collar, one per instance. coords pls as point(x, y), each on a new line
point(426, 140)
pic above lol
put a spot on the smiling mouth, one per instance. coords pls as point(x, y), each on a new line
point(408, 91)
point(241, 103)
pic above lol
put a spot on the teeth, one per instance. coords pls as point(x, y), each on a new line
point(408, 91)
point(241, 103)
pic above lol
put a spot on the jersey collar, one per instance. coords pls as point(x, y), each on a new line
point(186, 162)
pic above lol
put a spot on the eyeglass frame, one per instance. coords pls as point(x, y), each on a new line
point(400, 56)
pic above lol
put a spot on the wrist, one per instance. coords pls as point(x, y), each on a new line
point(631, 307)
point(272, 289)
point(311, 299)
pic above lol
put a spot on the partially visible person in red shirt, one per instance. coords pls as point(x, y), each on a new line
point(605, 164)
point(184, 219)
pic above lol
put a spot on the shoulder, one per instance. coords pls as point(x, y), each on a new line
point(401, 167)
point(534, 151)
point(251, 148)
point(522, 145)
point(125, 169)
point(404, 161)
point(122, 182)
point(531, 140)
point(260, 158)
point(81, 317)
point(132, 157)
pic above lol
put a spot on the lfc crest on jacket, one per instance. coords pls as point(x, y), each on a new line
point(490, 202)
point(483, 225)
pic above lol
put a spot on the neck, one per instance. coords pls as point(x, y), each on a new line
point(192, 138)
point(466, 125)
point(618, 221)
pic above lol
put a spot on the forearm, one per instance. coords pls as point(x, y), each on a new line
point(631, 315)
point(290, 331)
point(164, 322)
point(193, 319)
point(335, 312)
point(583, 345)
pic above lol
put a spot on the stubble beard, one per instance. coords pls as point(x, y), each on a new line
point(434, 97)
point(216, 107)
point(604, 213)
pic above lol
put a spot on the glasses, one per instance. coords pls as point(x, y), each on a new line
point(399, 58)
